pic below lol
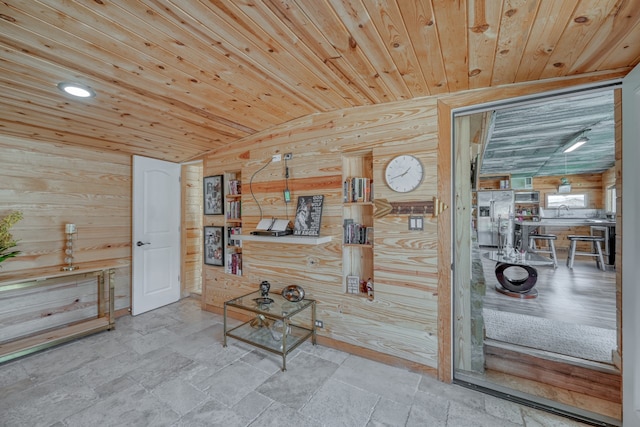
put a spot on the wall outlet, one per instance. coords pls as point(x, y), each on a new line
point(288, 156)
point(319, 324)
point(276, 157)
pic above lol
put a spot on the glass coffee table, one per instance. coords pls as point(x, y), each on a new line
point(273, 326)
point(528, 261)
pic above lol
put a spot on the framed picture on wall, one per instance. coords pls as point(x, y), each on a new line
point(214, 246)
point(213, 195)
point(308, 216)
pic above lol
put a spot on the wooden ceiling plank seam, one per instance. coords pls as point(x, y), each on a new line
point(39, 94)
point(179, 60)
point(97, 46)
point(582, 25)
point(39, 89)
point(452, 23)
point(74, 129)
point(517, 19)
point(244, 69)
point(483, 32)
point(389, 23)
point(625, 52)
point(420, 26)
point(89, 74)
point(35, 132)
point(78, 122)
point(551, 20)
point(279, 65)
point(348, 52)
point(192, 53)
point(619, 27)
point(366, 35)
point(314, 40)
point(385, 119)
point(267, 19)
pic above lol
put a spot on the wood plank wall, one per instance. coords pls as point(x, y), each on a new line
point(192, 201)
point(402, 320)
point(54, 184)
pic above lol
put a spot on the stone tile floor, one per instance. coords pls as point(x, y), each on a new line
point(168, 367)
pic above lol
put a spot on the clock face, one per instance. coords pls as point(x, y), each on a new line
point(404, 173)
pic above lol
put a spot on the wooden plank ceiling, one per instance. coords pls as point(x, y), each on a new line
point(175, 79)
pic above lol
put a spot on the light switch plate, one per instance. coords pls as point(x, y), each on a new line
point(416, 223)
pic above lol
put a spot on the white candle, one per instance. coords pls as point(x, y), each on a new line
point(70, 228)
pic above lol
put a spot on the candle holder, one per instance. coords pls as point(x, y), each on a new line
point(70, 230)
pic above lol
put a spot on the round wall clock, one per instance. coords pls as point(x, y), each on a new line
point(404, 173)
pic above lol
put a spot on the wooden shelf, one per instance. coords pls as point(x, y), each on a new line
point(299, 240)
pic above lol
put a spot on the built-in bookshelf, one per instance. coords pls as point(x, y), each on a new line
point(357, 243)
point(233, 223)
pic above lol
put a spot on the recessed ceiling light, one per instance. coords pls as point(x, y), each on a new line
point(77, 89)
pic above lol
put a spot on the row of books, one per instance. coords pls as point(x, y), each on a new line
point(234, 264)
point(357, 234)
point(357, 189)
point(232, 232)
point(233, 210)
point(235, 187)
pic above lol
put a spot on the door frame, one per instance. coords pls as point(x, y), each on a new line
point(448, 106)
point(630, 249)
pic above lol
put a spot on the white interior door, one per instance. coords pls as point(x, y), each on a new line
point(156, 234)
point(631, 248)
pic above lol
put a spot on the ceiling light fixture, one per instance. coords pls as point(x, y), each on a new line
point(77, 89)
point(577, 144)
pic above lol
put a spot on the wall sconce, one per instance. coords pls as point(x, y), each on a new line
point(70, 230)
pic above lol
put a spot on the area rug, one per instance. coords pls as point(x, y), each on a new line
point(585, 342)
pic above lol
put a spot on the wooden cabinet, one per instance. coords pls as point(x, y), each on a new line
point(357, 246)
point(233, 223)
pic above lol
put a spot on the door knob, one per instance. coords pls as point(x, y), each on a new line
point(142, 244)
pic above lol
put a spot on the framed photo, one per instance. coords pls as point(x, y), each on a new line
point(214, 245)
point(213, 195)
point(308, 216)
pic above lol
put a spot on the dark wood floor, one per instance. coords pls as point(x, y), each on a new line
point(584, 295)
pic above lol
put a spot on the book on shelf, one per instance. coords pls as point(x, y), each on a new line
point(233, 209)
point(357, 190)
point(368, 236)
point(357, 234)
point(232, 233)
point(353, 284)
point(234, 264)
point(234, 187)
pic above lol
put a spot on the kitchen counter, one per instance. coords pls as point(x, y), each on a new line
point(567, 222)
point(528, 226)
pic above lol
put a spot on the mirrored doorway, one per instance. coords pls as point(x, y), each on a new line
point(523, 344)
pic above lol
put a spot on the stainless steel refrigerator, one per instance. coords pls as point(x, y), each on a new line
point(495, 217)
